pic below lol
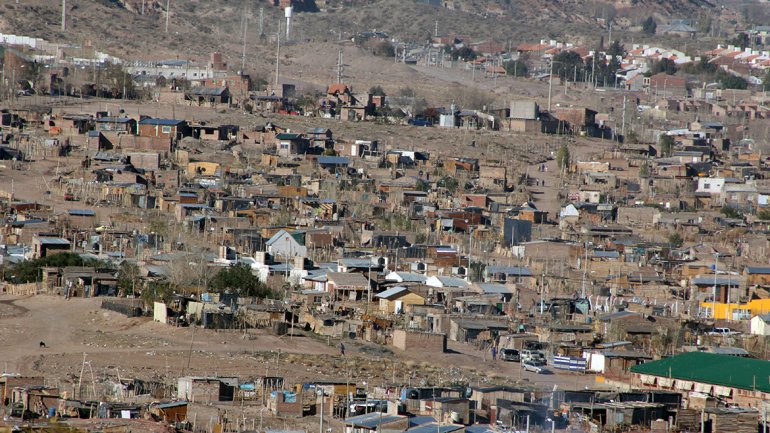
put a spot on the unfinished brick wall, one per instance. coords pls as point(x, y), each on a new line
point(423, 341)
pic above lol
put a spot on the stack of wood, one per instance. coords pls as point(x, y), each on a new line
point(733, 421)
point(688, 420)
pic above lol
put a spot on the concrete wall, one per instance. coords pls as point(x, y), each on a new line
point(410, 340)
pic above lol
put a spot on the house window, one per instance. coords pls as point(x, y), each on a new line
point(284, 145)
point(165, 129)
point(706, 186)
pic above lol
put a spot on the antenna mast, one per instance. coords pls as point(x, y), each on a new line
point(339, 66)
point(63, 15)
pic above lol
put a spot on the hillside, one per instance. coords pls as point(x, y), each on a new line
point(202, 26)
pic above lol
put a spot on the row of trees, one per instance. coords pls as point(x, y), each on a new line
point(569, 65)
point(237, 278)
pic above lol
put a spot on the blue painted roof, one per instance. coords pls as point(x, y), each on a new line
point(758, 270)
point(433, 428)
point(114, 120)
point(163, 122)
point(333, 160)
point(605, 254)
point(420, 420)
point(81, 212)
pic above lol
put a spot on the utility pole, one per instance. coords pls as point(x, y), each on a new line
point(243, 55)
point(435, 32)
point(168, 11)
point(277, 54)
point(339, 66)
point(142, 7)
point(63, 15)
point(261, 21)
point(623, 124)
point(550, 84)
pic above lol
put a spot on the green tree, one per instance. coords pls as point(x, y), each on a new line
point(129, 277)
point(157, 291)
point(377, 91)
point(741, 40)
point(239, 279)
point(463, 53)
point(663, 65)
point(666, 144)
point(644, 170)
point(422, 185)
point(516, 68)
point(449, 183)
point(563, 157)
point(675, 240)
point(649, 26)
point(30, 271)
point(733, 82)
point(568, 65)
point(730, 212)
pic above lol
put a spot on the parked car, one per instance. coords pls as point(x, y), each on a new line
point(510, 355)
point(533, 367)
point(723, 331)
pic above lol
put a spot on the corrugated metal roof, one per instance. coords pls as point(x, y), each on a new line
point(392, 292)
point(53, 241)
point(372, 420)
point(433, 428)
point(509, 270)
point(710, 368)
point(492, 288)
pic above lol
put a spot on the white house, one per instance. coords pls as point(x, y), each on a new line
point(405, 277)
point(760, 324)
point(284, 245)
point(441, 281)
point(711, 185)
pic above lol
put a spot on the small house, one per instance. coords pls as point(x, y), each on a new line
point(760, 324)
point(395, 299)
point(164, 128)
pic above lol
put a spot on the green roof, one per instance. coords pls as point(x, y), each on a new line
point(287, 136)
point(713, 369)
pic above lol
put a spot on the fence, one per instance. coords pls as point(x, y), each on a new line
point(26, 289)
point(127, 307)
point(569, 363)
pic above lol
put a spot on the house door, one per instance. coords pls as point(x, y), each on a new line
point(399, 307)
